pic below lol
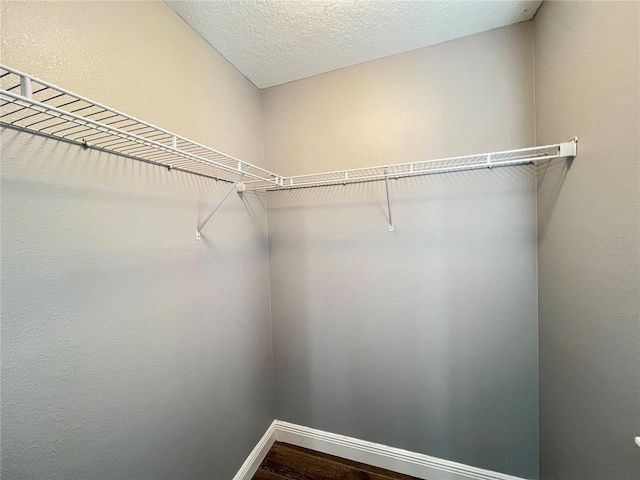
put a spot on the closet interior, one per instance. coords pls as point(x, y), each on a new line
point(427, 262)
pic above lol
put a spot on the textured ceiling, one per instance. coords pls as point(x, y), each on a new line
point(274, 42)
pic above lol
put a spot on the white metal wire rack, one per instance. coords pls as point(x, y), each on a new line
point(40, 107)
point(426, 167)
point(36, 106)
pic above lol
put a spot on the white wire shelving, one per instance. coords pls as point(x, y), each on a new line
point(426, 167)
point(39, 107)
point(36, 106)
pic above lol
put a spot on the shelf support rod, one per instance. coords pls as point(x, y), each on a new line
point(386, 184)
point(224, 197)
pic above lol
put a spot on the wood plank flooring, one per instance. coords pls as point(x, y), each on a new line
point(288, 462)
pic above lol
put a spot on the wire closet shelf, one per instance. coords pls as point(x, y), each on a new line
point(39, 107)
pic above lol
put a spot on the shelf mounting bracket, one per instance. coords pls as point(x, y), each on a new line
point(569, 149)
point(386, 184)
point(224, 197)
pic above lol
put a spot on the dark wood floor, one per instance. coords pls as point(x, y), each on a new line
point(287, 462)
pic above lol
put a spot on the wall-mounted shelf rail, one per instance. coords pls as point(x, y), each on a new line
point(36, 106)
point(426, 167)
point(40, 107)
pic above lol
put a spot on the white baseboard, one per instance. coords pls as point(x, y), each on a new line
point(253, 461)
point(391, 458)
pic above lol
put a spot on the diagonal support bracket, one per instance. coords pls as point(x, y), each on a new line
point(386, 184)
point(224, 197)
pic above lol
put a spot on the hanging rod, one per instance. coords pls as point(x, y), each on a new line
point(39, 107)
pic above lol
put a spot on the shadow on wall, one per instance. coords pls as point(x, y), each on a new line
point(250, 200)
point(139, 351)
point(438, 209)
point(106, 171)
point(123, 180)
point(424, 338)
point(551, 176)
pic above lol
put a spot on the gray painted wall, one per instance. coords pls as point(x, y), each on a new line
point(587, 84)
point(129, 350)
point(424, 338)
point(461, 97)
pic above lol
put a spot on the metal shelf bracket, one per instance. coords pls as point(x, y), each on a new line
point(569, 149)
point(235, 186)
point(386, 184)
